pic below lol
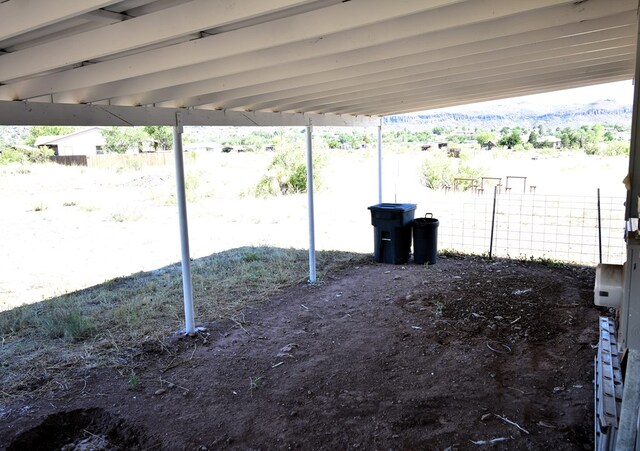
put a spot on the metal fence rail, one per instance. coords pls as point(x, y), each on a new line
point(560, 227)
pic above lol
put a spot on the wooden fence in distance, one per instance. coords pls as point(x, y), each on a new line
point(119, 160)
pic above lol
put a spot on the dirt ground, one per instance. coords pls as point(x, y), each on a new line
point(465, 354)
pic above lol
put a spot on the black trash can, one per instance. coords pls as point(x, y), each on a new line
point(392, 232)
point(425, 240)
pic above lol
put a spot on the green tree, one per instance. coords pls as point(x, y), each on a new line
point(608, 136)
point(161, 135)
point(121, 139)
point(438, 130)
point(512, 139)
point(46, 130)
point(598, 133)
point(570, 138)
point(484, 137)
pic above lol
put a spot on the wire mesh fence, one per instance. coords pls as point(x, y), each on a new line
point(529, 225)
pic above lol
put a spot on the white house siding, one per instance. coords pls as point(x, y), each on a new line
point(84, 142)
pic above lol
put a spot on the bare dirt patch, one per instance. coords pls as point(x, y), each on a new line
point(449, 356)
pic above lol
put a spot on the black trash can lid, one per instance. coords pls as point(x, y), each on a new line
point(393, 207)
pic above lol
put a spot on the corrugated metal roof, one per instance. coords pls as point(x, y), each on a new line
point(286, 61)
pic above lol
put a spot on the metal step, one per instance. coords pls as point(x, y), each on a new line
point(607, 386)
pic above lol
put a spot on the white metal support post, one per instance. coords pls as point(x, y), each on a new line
point(187, 287)
point(380, 162)
point(312, 237)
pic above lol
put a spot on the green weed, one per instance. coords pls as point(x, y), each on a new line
point(134, 379)
point(70, 325)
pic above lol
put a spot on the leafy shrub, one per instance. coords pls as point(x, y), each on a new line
point(468, 170)
point(614, 148)
point(437, 170)
point(591, 148)
point(287, 174)
point(13, 155)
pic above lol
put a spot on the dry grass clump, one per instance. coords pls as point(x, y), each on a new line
point(45, 345)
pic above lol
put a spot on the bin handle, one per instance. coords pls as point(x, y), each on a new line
point(430, 215)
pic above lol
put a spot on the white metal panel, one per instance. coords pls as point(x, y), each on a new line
point(21, 16)
point(39, 113)
point(479, 65)
point(411, 52)
point(320, 31)
point(457, 78)
point(141, 31)
point(362, 57)
point(490, 90)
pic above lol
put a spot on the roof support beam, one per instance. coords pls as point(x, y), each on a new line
point(105, 17)
point(445, 79)
point(35, 113)
point(22, 16)
point(138, 32)
point(324, 32)
point(491, 91)
point(441, 72)
point(396, 55)
point(281, 64)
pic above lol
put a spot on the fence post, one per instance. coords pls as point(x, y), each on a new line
point(599, 228)
point(493, 220)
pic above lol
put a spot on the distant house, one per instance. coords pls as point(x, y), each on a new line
point(622, 136)
point(551, 141)
point(207, 146)
point(83, 142)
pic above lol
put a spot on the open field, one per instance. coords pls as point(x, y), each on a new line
point(65, 228)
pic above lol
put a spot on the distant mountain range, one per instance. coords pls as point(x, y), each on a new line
point(521, 114)
point(490, 116)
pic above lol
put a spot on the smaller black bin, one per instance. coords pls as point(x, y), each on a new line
point(425, 240)
point(392, 232)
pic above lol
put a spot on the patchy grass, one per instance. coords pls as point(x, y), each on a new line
point(88, 208)
point(41, 206)
point(45, 344)
point(124, 216)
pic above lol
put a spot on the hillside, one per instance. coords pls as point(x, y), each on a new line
point(521, 114)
